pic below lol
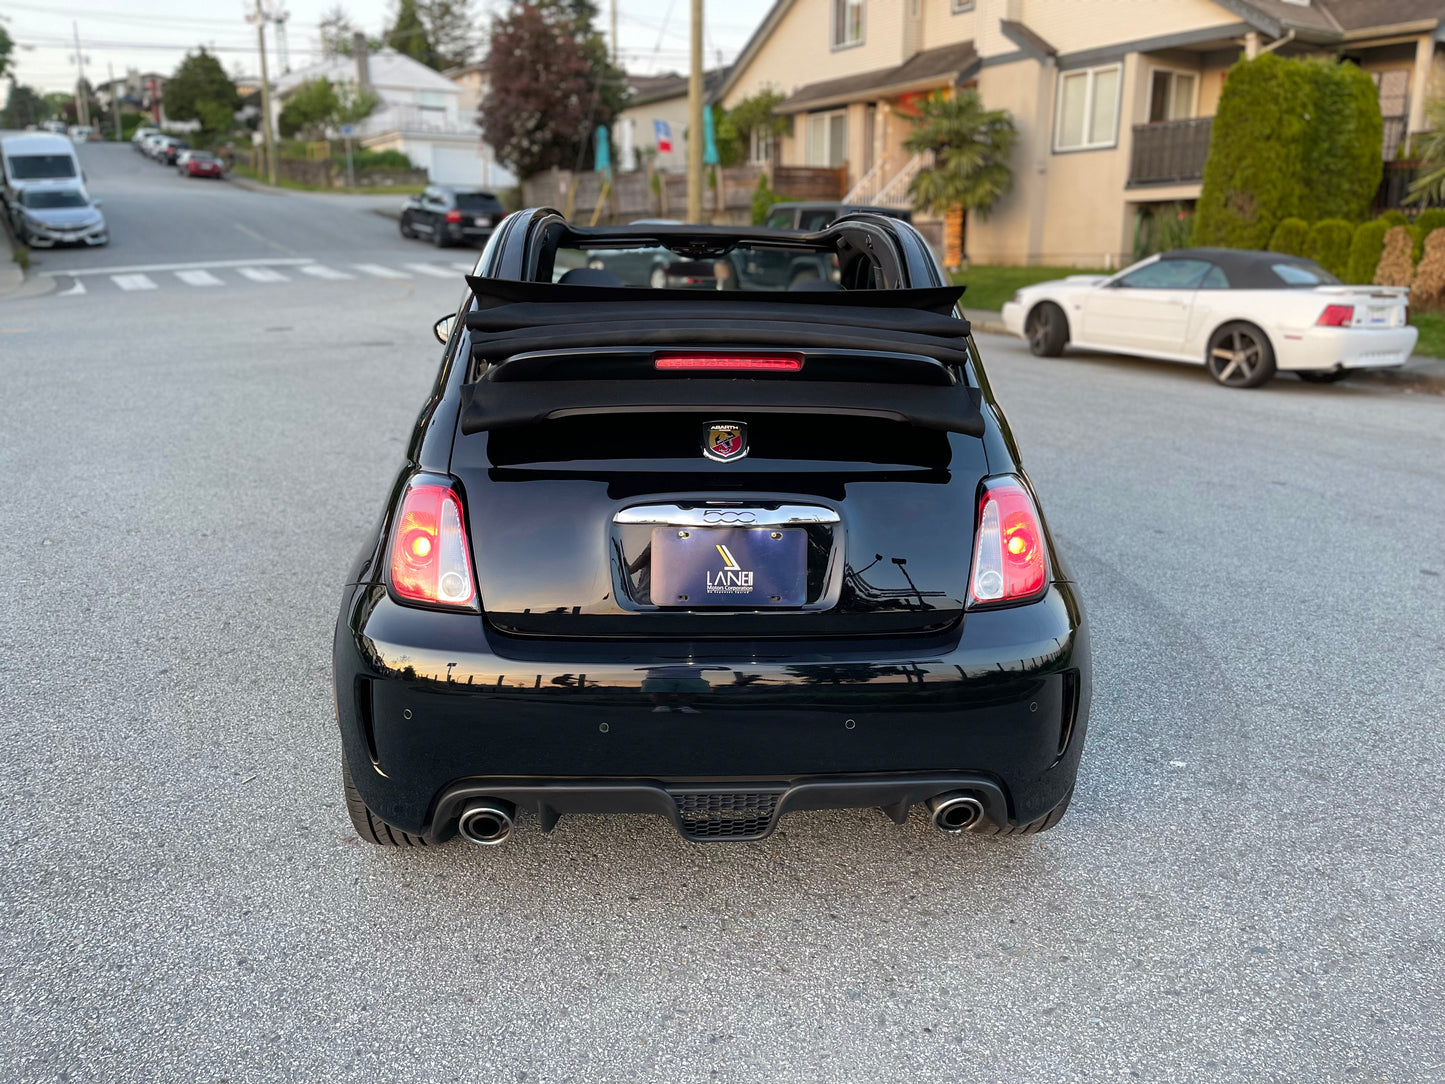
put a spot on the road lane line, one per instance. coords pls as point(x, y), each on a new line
point(198, 278)
point(467, 267)
point(380, 272)
point(261, 274)
point(133, 282)
point(321, 271)
point(262, 261)
point(435, 270)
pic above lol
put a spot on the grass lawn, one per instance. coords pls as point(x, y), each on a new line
point(1432, 333)
point(990, 287)
point(378, 190)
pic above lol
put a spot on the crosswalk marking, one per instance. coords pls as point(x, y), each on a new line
point(261, 274)
point(435, 270)
point(133, 282)
point(198, 278)
point(380, 272)
point(75, 291)
point(321, 271)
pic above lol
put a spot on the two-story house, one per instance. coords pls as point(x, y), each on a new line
point(1112, 98)
point(421, 113)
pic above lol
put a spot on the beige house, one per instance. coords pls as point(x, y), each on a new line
point(1113, 99)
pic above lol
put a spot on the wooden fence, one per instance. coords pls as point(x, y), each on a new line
point(664, 195)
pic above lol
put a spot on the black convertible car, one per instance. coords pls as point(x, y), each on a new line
point(716, 555)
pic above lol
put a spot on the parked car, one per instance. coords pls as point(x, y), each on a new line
point(35, 158)
point(811, 216)
point(1244, 315)
point(166, 152)
point(447, 215)
point(82, 133)
point(141, 134)
point(193, 163)
point(713, 555)
point(46, 215)
point(150, 145)
point(56, 127)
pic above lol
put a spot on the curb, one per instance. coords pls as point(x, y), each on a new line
point(1419, 375)
point(12, 275)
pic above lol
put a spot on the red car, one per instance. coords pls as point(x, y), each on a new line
point(201, 164)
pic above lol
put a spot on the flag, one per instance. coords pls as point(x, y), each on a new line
point(709, 147)
point(663, 131)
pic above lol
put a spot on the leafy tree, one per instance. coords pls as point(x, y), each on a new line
point(971, 148)
point(6, 47)
point(451, 28)
point(24, 106)
point(309, 109)
point(336, 29)
point(201, 90)
point(1291, 138)
point(408, 34)
point(549, 85)
point(754, 114)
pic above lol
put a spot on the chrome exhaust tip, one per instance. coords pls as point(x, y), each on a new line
point(955, 812)
point(487, 822)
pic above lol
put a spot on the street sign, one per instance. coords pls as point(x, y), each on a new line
point(348, 129)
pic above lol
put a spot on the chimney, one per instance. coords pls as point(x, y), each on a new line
point(363, 67)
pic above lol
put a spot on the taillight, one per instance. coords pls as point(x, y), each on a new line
point(767, 363)
point(454, 216)
point(1336, 316)
point(1010, 562)
point(429, 556)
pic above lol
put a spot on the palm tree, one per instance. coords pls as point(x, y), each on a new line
point(1429, 184)
point(971, 148)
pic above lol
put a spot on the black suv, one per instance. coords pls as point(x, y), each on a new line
point(809, 217)
point(716, 555)
point(451, 216)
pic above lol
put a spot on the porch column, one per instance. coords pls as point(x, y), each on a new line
point(1420, 82)
point(1251, 45)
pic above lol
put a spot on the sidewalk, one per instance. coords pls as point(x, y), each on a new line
point(1419, 374)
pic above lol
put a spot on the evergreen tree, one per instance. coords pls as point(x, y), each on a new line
point(408, 34)
point(201, 90)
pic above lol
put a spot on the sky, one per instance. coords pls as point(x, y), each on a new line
point(153, 35)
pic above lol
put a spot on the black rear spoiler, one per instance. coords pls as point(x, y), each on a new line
point(515, 318)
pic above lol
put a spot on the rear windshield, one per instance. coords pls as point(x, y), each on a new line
point(476, 201)
point(744, 267)
point(61, 197)
point(38, 167)
point(1304, 274)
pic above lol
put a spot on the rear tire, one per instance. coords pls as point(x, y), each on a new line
point(406, 230)
point(439, 237)
point(1043, 824)
point(369, 827)
point(1239, 356)
point(1322, 376)
point(1047, 330)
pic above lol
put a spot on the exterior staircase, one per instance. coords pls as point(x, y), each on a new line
point(881, 188)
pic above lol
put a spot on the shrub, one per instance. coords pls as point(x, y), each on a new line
point(1429, 286)
point(1162, 227)
point(763, 199)
point(365, 159)
point(1329, 246)
point(1291, 138)
point(1395, 218)
point(1365, 249)
point(1426, 223)
point(1290, 236)
point(1395, 267)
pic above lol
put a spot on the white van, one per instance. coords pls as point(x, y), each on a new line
point(36, 156)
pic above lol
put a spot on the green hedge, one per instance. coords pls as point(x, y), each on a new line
point(1365, 249)
point(1329, 246)
point(1290, 236)
point(1291, 138)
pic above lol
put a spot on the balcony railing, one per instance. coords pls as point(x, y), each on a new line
point(1171, 152)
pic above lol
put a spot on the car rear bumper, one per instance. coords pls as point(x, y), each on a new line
point(1324, 348)
point(436, 708)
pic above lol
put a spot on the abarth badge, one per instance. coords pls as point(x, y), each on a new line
point(725, 441)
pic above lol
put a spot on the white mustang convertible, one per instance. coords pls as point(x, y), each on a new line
point(1244, 315)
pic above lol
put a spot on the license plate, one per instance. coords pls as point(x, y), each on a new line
point(482, 220)
point(729, 566)
point(1379, 314)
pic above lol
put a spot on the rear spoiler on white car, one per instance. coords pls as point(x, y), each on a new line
point(1373, 291)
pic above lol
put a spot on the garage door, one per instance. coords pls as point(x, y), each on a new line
point(456, 165)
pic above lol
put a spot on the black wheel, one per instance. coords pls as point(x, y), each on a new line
point(1047, 330)
point(1043, 824)
point(1322, 376)
point(439, 237)
point(405, 226)
point(1239, 356)
point(369, 827)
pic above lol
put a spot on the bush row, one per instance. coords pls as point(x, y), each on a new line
point(1370, 253)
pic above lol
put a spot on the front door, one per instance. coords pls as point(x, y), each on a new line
point(1146, 309)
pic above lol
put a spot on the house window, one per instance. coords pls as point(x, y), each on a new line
point(1171, 95)
point(1087, 115)
point(827, 139)
point(760, 146)
point(847, 23)
point(1394, 87)
point(960, 6)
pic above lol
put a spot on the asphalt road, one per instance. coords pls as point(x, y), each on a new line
point(1248, 887)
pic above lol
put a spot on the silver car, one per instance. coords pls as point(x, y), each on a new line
point(48, 215)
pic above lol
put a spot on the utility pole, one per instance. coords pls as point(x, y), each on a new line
point(614, 33)
point(82, 105)
point(695, 137)
point(114, 99)
point(269, 143)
